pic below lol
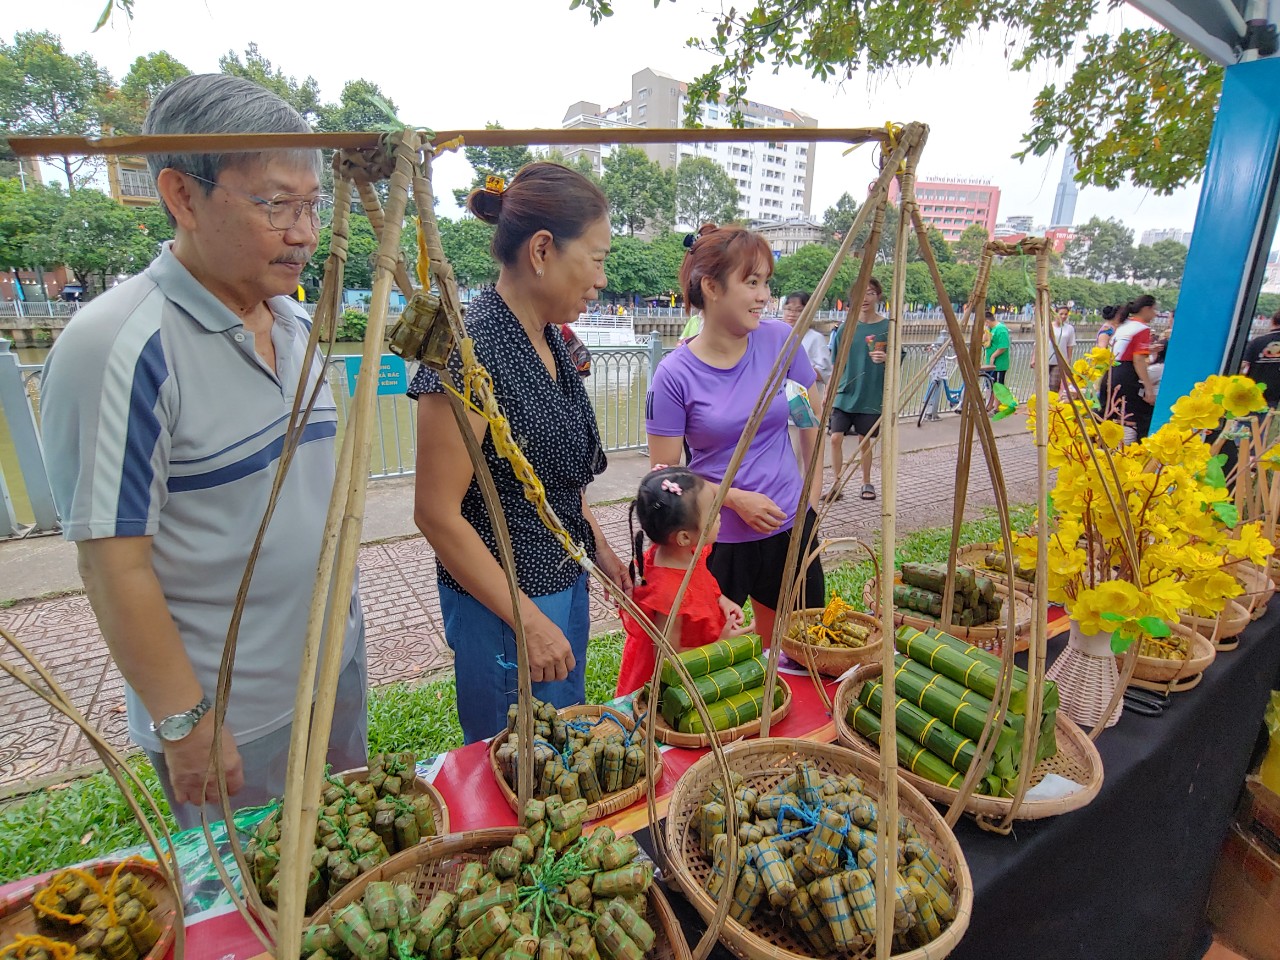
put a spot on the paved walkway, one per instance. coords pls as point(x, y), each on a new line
point(398, 587)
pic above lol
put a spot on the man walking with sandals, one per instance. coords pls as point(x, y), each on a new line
point(860, 392)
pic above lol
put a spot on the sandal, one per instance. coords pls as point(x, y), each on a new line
point(868, 492)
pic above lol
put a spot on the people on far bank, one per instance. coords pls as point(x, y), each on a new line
point(817, 347)
point(671, 509)
point(996, 359)
point(859, 398)
point(703, 393)
point(1262, 361)
point(1125, 387)
point(1062, 333)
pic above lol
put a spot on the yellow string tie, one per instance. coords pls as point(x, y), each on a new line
point(57, 949)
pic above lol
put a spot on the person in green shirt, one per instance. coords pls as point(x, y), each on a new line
point(997, 348)
point(860, 392)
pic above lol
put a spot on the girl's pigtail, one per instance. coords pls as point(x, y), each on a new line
point(636, 566)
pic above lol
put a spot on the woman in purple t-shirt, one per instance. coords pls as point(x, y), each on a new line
point(703, 394)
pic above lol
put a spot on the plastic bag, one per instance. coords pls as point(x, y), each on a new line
point(798, 405)
point(1270, 771)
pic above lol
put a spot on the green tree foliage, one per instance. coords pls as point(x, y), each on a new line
point(466, 245)
point(25, 217)
point(633, 268)
point(1137, 105)
point(640, 192)
point(303, 96)
point(837, 219)
point(1161, 263)
point(126, 108)
point(968, 248)
point(1102, 249)
point(704, 193)
point(670, 251)
point(362, 245)
point(803, 270)
point(360, 107)
point(581, 163)
point(45, 91)
point(98, 239)
point(938, 244)
point(502, 162)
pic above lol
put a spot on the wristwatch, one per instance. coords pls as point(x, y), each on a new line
point(178, 726)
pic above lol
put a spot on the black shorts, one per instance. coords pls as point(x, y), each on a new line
point(997, 376)
point(854, 424)
point(754, 569)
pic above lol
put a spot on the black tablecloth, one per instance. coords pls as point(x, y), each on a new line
point(1127, 877)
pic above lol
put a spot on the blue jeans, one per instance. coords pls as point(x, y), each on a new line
point(484, 656)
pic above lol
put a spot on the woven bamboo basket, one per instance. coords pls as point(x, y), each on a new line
point(831, 661)
point(975, 555)
point(611, 803)
point(418, 785)
point(1172, 676)
point(763, 764)
point(1258, 587)
point(17, 916)
point(434, 865)
point(989, 636)
point(665, 733)
point(1224, 630)
point(1077, 759)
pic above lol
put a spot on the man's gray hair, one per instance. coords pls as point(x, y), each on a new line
point(218, 103)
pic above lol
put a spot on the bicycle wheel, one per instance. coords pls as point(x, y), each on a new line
point(984, 387)
point(924, 407)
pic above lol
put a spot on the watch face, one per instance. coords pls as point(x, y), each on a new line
point(175, 728)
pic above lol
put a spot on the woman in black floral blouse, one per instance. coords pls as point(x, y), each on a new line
point(551, 241)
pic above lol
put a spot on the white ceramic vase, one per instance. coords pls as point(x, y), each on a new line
point(1087, 678)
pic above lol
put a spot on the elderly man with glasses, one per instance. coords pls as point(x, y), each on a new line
point(165, 406)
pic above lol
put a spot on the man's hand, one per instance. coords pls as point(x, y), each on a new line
point(758, 511)
point(188, 762)
point(735, 621)
point(550, 656)
point(878, 356)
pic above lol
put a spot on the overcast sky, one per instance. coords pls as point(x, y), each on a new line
point(522, 62)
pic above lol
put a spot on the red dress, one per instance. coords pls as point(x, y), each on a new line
point(701, 619)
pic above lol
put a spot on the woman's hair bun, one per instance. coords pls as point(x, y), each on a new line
point(1109, 311)
point(485, 205)
point(707, 228)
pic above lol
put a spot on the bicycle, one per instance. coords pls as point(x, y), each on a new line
point(940, 386)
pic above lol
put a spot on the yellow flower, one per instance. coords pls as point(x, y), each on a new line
point(1113, 596)
point(1250, 544)
point(1167, 597)
point(1271, 459)
point(1195, 412)
point(1110, 433)
point(1167, 444)
point(1242, 396)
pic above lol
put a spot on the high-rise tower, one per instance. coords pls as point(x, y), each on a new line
point(1064, 199)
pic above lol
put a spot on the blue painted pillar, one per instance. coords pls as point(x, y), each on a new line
point(1234, 225)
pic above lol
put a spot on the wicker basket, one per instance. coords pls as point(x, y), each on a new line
point(1258, 587)
point(611, 803)
point(989, 637)
point(17, 916)
point(1077, 759)
point(974, 555)
point(433, 865)
point(1154, 673)
point(1224, 630)
point(665, 733)
point(831, 661)
point(417, 786)
point(763, 764)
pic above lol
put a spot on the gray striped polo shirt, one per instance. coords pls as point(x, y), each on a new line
point(159, 419)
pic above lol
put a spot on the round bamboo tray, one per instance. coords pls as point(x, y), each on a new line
point(989, 636)
point(763, 764)
point(1258, 588)
point(417, 785)
point(665, 733)
point(975, 555)
point(434, 865)
point(1172, 676)
point(1224, 630)
point(18, 917)
point(1077, 759)
point(832, 661)
point(610, 803)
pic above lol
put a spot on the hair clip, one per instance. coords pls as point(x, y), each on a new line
point(493, 184)
point(672, 487)
point(689, 240)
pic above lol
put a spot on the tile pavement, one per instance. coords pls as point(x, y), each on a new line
point(402, 609)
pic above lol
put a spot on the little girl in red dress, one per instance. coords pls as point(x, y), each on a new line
point(671, 508)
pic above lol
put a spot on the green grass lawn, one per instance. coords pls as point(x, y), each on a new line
point(88, 818)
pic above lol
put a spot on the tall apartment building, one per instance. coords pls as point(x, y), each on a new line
point(1064, 198)
point(1150, 237)
point(775, 180)
point(953, 204)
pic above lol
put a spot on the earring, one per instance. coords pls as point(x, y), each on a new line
point(539, 273)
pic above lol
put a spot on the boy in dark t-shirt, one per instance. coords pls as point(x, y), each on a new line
point(1262, 361)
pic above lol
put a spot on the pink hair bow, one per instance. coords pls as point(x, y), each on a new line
point(672, 487)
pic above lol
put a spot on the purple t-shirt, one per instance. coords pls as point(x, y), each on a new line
point(710, 408)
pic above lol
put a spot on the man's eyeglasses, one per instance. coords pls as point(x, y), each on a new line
point(283, 211)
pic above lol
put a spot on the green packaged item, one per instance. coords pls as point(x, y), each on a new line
point(735, 678)
point(703, 660)
point(732, 711)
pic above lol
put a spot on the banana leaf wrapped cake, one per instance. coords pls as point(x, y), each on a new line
point(729, 675)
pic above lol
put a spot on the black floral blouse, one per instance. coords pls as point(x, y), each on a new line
point(554, 425)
